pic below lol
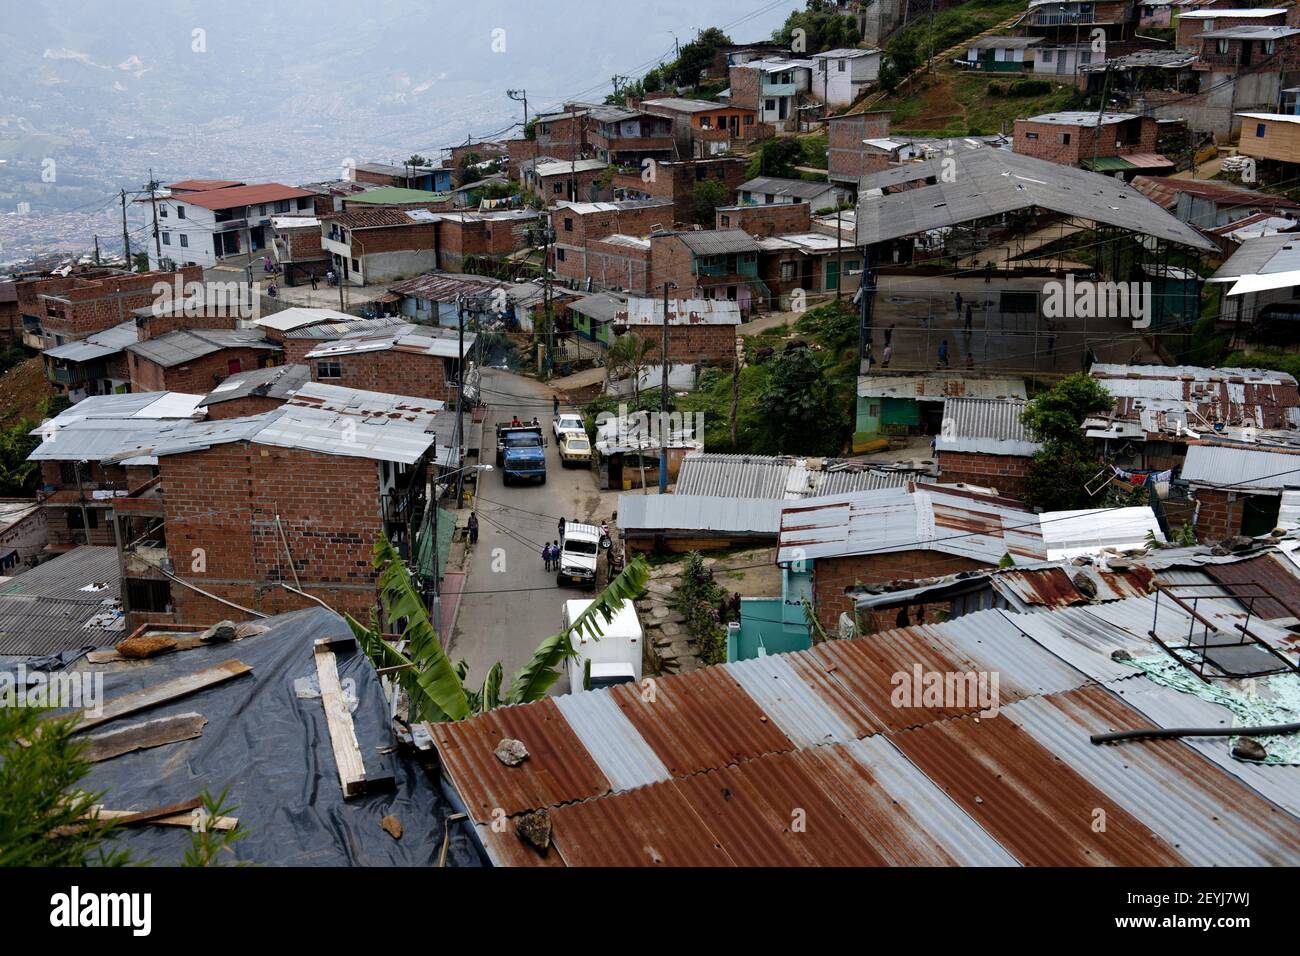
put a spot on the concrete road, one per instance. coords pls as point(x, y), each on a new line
point(512, 602)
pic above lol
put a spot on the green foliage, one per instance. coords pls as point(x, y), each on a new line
point(801, 412)
point(706, 196)
point(1059, 473)
point(814, 151)
point(12, 355)
point(208, 843)
point(18, 476)
point(698, 597)
point(41, 769)
point(432, 683)
point(1058, 414)
point(415, 159)
point(696, 56)
point(835, 324)
point(629, 355)
point(1288, 362)
point(823, 26)
point(1020, 88)
point(777, 157)
point(889, 74)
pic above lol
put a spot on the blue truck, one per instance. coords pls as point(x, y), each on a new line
point(521, 453)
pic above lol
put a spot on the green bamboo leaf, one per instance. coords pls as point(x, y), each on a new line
point(490, 696)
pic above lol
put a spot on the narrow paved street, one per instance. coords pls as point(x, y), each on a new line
point(511, 601)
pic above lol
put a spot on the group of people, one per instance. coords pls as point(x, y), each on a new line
point(551, 555)
point(516, 423)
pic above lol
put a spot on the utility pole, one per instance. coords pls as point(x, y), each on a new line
point(839, 253)
point(153, 202)
point(460, 398)
point(97, 250)
point(521, 96)
point(663, 398)
point(573, 160)
point(126, 236)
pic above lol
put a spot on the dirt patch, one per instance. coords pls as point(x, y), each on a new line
point(23, 390)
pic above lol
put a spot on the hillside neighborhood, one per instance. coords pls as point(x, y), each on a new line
point(872, 444)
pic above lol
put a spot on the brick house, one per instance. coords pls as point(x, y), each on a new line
point(57, 310)
point(194, 360)
point(764, 190)
point(830, 545)
point(380, 245)
point(404, 359)
point(983, 442)
point(1238, 488)
point(769, 220)
point(775, 88)
point(433, 179)
point(602, 241)
point(1082, 139)
point(1193, 24)
point(254, 392)
point(813, 262)
point(709, 264)
point(627, 137)
point(467, 236)
point(702, 127)
point(306, 337)
point(85, 460)
point(95, 365)
point(675, 181)
point(578, 180)
point(700, 331)
point(848, 159)
point(296, 248)
point(296, 496)
point(11, 323)
point(558, 135)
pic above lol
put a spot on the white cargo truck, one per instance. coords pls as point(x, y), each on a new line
point(615, 657)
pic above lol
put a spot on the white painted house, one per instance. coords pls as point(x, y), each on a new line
point(203, 220)
point(841, 75)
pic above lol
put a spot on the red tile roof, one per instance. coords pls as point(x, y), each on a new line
point(228, 197)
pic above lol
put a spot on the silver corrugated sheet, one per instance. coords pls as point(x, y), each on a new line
point(619, 751)
point(702, 513)
point(986, 426)
point(801, 713)
point(1241, 466)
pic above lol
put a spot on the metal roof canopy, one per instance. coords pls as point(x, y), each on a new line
point(993, 182)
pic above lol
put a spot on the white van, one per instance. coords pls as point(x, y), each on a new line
point(615, 657)
point(579, 549)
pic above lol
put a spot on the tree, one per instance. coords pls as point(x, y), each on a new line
point(41, 769)
point(696, 56)
point(630, 353)
point(706, 196)
point(464, 174)
point(777, 157)
point(799, 409)
point(823, 26)
point(415, 159)
point(888, 76)
point(434, 685)
point(1058, 475)
point(18, 476)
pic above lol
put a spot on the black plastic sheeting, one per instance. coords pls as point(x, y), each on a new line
point(272, 749)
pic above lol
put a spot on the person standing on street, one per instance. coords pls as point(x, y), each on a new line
point(473, 528)
point(561, 526)
point(943, 353)
point(555, 406)
point(966, 326)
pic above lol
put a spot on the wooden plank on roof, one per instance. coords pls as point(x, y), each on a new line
point(163, 693)
point(343, 734)
point(151, 733)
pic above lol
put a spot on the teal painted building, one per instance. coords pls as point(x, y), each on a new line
point(774, 625)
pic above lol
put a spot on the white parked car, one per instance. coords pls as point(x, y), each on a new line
point(568, 422)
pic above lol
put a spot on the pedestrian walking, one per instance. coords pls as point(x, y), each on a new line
point(889, 336)
point(888, 356)
point(959, 305)
point(988, 272)
point(312, 276)
point(966, 327)
point(555, 405)
point(473, 528)
point(943, 353)
point(561, 527)
point(546, 555)
point(970, 360)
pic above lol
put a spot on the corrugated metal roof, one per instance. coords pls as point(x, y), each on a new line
point(1069, 534)
point(1211, 819)
point(1264, 573)
point(418, 339)
point(99, 345)
point(278, 381)
point(801, 713)
point(719, 242)
point(986, 426)
point(775, 186)
point(698, 513)
point(649, 310)
point(186, 345)
point(1241, 466)
point(45, 610)
point(615, 746)
point(935, 387)
point(931, 517)
point(996, 181)
point(371, 406)
point(779, 476)
point(297, 318)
